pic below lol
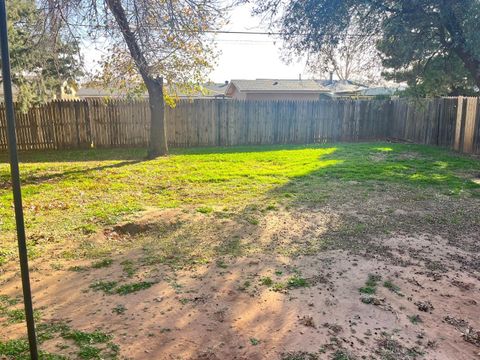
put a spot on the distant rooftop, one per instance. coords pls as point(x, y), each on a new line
point(277, 85)
point(341, 86)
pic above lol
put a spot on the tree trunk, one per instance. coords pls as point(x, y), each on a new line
point(158, 130)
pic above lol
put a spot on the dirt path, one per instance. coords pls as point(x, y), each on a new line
point(409, 297)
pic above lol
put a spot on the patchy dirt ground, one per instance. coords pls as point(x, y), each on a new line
point(338, 281)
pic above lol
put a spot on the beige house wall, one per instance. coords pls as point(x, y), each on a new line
point(283, 96)
point(274, 95)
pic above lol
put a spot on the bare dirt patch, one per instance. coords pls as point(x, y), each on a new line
point(282, 287)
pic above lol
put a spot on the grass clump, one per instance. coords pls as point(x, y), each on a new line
point(77, 268)
point(112, 287)
point(296, 282)
point(106, 286)
point(342, 355)
point(254, 341)
point(392, 287)
point(415, 319)
point(221, 264)
point(267, 281)
point(102, 263)
point(370, 285)
point(299, 355)
point(83, 338)
point(132, 288)
point(119, 309)
point(128, 268)
point(246, 284)
point(205, 210)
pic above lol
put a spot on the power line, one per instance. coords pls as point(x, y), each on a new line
point(227, 32)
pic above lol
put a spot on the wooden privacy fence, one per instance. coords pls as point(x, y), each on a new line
point(450, 122)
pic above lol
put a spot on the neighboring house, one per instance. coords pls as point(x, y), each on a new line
point(341, 88)
point(209, 91)
point(99, 93)
point(275, 89)
point(381, 91)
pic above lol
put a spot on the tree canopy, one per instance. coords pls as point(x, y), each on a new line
point(433, 45)
point(43, 63)
point(148, 42)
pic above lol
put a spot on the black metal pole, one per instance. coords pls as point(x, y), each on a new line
point(17, 191)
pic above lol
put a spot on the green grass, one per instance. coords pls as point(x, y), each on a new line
point(392, 287)
point(72, 194)
point(102, 263)
point(106, 286)
point(267, 281)
point(296, 282)
point(254, 341)
point(370, 286)
point(415, 319)
point(128, 268)
point(132, 288)
point(112, 287)
point(88, 345)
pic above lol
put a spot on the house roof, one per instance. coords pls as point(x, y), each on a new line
point(99, 92)
point(210, 90)
point(341, 86)
point(379, 91)
point(276, 85)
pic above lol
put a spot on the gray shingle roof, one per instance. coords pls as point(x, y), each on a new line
point(341, 86)
point(273, 85)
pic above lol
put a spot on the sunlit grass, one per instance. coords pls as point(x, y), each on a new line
point(70, 194)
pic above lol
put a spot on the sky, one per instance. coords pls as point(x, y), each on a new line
point(241, 56)
point(251, 56)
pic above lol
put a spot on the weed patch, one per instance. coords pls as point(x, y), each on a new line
point(102, 263)
point(370, 285)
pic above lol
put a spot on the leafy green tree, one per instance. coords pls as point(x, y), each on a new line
point(43, 64)
point(433, 45)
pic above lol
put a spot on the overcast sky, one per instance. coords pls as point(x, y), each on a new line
point(241, 56)
point(251, 56)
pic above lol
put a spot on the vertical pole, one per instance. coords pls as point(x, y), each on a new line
point(15, 172)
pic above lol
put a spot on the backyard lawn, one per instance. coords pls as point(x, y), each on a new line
point(341, 251)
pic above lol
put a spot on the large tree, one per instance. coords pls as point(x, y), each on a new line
point(44, 65)
point(355, 58)
point(431, 44)
point(149, 42)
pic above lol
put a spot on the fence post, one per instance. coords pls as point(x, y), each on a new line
point(458, 123)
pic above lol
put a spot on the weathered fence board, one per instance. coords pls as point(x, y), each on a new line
point(448, 122)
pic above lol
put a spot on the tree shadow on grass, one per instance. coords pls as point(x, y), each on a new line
point(38, 179)
point(46, 156)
